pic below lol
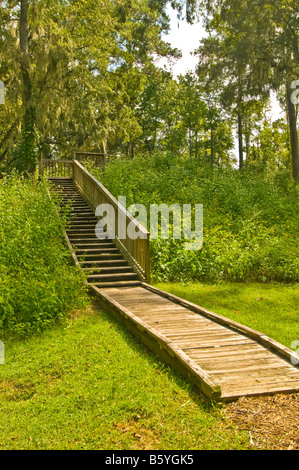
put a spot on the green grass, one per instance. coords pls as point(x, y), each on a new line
point(272, 308)
point(86, 383)
point(90, 385)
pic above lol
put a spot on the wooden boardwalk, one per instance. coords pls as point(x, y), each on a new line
point(224, 359)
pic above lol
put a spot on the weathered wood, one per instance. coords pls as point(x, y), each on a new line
point(136, 251)
point(54, 168)
point(260, 337)
point(161, 345)
point(223, 358)
point(96, 158)
point(233, 356)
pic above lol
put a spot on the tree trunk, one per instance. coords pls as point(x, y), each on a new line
point(212, 146)
point(293, 132)
point(130, 149)
point(8, 134)
point(104, 146)
point(240, 139)
point(190, 141)
point(27, 149)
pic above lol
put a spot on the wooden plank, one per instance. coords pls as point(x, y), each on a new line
point(244, 365)
point(161, 345)
point(264, 374)
point(190, 343)
point(137, 251)
point(221, 357)
point(236, 353)
point(258, 336)
point(231, 393)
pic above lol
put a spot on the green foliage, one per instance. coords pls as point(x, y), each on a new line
point(38, 284)
point(79, 67)
point(181, 117)
point(253, 48)
point(250, 223)
point(70, 388)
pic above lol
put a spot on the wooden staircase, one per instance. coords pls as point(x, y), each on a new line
point(224, 359)
point(99, 257)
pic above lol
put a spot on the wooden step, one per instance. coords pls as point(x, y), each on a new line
point(85, 255)
point(94, 255)
point(85, 237)
point(116, 284)
point(81, 231)
point(113, 277)
point(99, 246)
point(78, 204)
point(97, 251)
point(103, 263)
point(96, 272)
point(100, 236)
point(79, 219)
point(75, 213)
point(93, 240)
point(83, 213)
point(74, 226)
point(77, 223)
point(64, 193)
point(70, 199)
point(74, 205)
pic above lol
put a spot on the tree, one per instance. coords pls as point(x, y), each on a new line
point(193, 110)
point(269, 31)
point(270, 147)
point(73, 69)
point(223, 58)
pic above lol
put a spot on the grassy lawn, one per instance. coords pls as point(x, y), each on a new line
point(272, 309)
point(88, 384)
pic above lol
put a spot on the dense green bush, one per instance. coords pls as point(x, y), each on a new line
point(38, 283)
point(250, 222)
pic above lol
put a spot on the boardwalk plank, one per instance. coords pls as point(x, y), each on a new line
point(226, 360)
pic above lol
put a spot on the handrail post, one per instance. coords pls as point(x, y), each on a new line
point(148, 261)
point(41, 165)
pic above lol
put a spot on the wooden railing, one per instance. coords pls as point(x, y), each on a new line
point(136, 250)
point(56, 168)
point(97, 159)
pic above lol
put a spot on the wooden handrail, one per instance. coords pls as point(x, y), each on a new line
point(53, 168)
point(136, 250)
point(98, 159)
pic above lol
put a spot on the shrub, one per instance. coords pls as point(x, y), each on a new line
point(38, 283)
point(250, 222)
